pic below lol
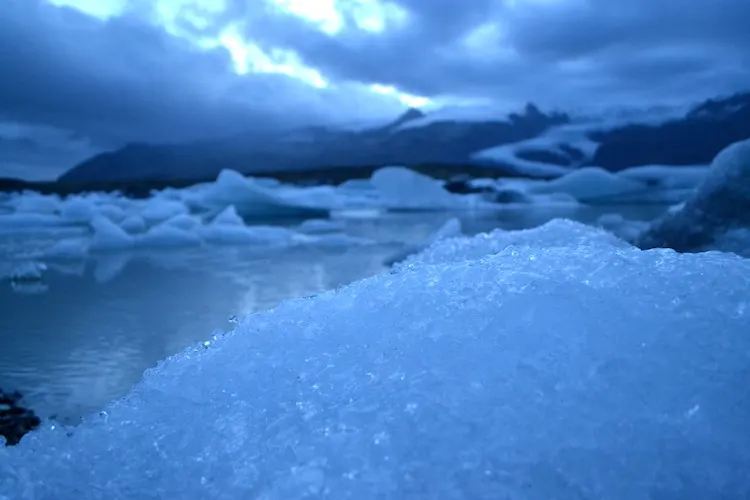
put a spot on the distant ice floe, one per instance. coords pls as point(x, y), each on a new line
point(225, 212)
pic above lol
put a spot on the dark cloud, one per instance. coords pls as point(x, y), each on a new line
point(126, 79)
point(640, 49)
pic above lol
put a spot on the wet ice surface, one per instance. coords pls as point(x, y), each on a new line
point(86, 333)
point(557, 363)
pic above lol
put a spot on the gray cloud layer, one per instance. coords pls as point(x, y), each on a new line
point(127, 79)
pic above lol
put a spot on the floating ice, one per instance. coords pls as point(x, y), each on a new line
point(78, 210)
point(26, 272)
point(109, 236)
point(167, 235)
point(133, 224)
point(29, 222)
point(500, 367)
point(184, 222)
point(36, 203)
point(159, 209)
point(229, 216)
point(591, 185)
point(404, 189)
point(252, 199)
point(720, 204)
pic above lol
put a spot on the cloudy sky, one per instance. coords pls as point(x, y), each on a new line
point(80, 76)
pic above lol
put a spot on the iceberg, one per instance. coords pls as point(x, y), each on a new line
point(720, 204)
point(254, 199)
point(403, 189)
point(558, 362)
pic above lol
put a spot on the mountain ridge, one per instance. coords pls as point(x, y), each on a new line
point(693, 138)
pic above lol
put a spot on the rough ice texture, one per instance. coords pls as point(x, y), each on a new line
point(720, 204)
point(559, 232)
point(508, 370)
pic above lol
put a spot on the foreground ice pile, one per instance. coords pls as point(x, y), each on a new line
point(554, 363)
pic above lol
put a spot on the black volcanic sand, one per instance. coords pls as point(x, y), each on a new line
point(15, 420)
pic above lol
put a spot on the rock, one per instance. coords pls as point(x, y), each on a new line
point(15, 421)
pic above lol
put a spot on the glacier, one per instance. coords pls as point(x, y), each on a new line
point(554, 363)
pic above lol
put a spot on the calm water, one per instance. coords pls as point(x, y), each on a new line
point(89, 331)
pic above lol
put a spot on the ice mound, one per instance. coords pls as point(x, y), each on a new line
point(720, 204)
point(404, 189)
point(36, 203)
point(556, 233)
point(29, 222)
point(109, 236)
point(159, 209)
point(591, 185)
point(168, 234)
point(253, 199)
point(229, 216)
point(134, 224)
point(78, 210)
point(588, 369)
point(28, 271)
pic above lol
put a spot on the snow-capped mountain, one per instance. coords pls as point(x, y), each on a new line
point(529, 143)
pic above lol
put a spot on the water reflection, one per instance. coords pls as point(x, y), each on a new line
point(98, 327)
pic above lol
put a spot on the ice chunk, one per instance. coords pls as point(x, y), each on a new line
point(111, 211)
point(184, 222)
point(588, 369)
point(109, 236)
point(26, 222)
point(78, 210)
point(592, 185)
point(36, 204)
point(404, 189)
point(721, 203)
point(167, 235)
point(159, 209)
point(252, 199)
point(229, 216)
point(26, 271)
point(558, 232)
point(133, 224)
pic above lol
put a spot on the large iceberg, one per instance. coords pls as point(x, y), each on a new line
point(552, 363)
point(720, 204)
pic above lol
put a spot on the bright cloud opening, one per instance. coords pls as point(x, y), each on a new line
point(373, 16)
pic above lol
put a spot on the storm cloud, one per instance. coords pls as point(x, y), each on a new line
point(129, 78)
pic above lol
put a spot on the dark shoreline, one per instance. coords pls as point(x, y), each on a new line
point(332, 176)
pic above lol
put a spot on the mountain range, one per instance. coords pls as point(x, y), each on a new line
point(417, 139)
